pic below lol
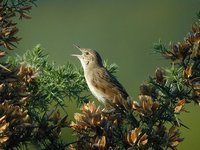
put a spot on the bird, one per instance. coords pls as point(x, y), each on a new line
point(102, 84)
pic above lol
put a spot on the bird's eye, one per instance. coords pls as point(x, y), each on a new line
point(86, 53)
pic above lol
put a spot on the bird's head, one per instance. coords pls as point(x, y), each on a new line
point(89, 58)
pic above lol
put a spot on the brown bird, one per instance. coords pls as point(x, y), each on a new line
point(103, 85)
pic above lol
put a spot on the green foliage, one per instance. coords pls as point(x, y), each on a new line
point(16, 4)
point(53, 84)
point(159, 47)
point(31, 85)
point(198, 15)
point(113, 68)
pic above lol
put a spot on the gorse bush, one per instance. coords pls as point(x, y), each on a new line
point(30, 85)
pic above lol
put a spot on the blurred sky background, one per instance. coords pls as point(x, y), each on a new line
point(122, 31)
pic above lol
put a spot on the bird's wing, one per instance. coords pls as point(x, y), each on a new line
point(109, 84)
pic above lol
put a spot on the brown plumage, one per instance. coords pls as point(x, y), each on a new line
point(103, 85)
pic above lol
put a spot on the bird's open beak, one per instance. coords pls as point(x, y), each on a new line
point(78, 47)
point(76, 55)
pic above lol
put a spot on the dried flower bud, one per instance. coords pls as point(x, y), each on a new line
point(195, 27)
point(27, 73)
point(101, 143)
point(159, 75)
point(144, 90)
point(3, 138)
point(133, 136)
point(179, 106)
point(194, 38)
point(143, 140)
point(146, 106)
point(173, 137)
point(188, 71)
point(196, 88)
point(149, 90)
point(70, 147)
point(2, 87)
point(2, 54)
point(91, 107)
